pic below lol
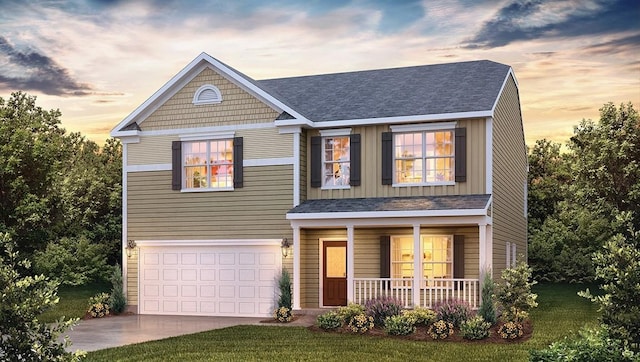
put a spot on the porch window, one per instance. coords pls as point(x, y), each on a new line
point(436, 254)
point(424, 157)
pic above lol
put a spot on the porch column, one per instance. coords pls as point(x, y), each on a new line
point(350, 262)
point(296, 267)
point(486, 249)
point(417, 265)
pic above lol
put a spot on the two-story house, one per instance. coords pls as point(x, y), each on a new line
point(408, 182)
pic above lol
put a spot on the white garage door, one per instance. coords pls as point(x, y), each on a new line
point(209, 280)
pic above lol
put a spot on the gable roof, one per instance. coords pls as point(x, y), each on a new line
point(418, 93)
point(411, 91)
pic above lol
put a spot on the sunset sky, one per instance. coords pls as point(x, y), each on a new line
point(98, 60)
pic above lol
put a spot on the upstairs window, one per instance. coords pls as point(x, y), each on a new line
point(336, 161)
point(424, 157)
point(208, 164)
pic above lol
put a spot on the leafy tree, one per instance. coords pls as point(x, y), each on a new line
point(31, 154)
point(22, 300)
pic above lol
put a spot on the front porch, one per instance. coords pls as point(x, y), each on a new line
point(446, 239)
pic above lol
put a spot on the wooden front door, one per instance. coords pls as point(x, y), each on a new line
point(334, 278)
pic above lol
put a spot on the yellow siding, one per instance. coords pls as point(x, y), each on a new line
point(371, 138)
point(155, 212)
point(237, 107)
point(258, 143)
point(132, 279)
point(509, 177)
point(367, 254)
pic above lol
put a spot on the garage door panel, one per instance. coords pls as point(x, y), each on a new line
point(209, 280)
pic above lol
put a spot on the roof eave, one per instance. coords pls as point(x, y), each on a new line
point(386, 214)
point(402, 119)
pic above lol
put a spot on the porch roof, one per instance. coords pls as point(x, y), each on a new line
point(448, 205)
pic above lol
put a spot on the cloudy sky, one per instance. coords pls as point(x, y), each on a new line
point(98, 60)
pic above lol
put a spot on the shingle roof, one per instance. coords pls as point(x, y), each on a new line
point(415, 203)
point(420, 90)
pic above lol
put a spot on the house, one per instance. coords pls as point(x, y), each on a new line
point(351, 181)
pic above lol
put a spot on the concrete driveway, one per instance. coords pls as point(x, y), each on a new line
point(100, 333)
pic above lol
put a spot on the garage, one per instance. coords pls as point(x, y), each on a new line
point(236, 278)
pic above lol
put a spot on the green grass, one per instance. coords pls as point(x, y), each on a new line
point(73, 301)
point(560, 313)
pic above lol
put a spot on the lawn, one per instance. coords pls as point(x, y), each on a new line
point(73, 301)
point(560, 312)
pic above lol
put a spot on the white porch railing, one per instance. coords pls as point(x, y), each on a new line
point(431, 292)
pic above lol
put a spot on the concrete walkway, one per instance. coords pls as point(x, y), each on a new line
point(100, 333)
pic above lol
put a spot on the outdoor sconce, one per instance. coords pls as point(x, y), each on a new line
point(131, 244)
point(284, 246)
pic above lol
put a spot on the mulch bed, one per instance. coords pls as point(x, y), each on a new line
point(421, 334)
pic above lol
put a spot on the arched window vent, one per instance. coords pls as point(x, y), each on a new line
point(207, 94)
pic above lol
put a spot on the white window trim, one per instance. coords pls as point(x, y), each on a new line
point(508, 249)
point(207, 136)
point(184, 176)
point(423, 127)
point(334, 133)
point(206, 87)
point(422, 130)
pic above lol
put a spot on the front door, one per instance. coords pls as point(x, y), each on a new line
point(334, 291)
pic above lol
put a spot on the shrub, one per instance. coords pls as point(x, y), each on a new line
point(98, 305)
point(361, 323)
point(351, 310)
point(487, 306)
point(117, 300)
point(592, 345)
point(283, 315)
point(72, 261)
point(475, 328)
point(22, 300)
point(329, 320)
point(453, 311)
point(440, 329)
point(382, 307)
point(510, 330)
point(422, 316)
point(514, 293)
point(399, 325)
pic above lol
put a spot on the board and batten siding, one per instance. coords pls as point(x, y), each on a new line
point(509, 177)
point(371, 186)
point(237, 107)
point(367, 254)
point(258, 143)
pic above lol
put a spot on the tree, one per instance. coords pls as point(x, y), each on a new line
point(22, 300)
point(31, 154)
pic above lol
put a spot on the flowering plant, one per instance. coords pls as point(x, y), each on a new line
point(283, 315)
point(440, 329)
point(382, 307)
point(510, 330)
point(98, 305)
point(361, 323)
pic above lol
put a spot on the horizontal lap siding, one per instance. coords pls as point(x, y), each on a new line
point(372, 173)
point(132, 279)
point(237, 107)
point(509, 177)
point(258, 144)
point(155, 212)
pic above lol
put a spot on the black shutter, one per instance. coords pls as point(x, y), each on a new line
point(461, 154)
point(355, 159)
point(385, 256)
point(238, 174)
point(387, 158)
point(176, 165)
point(458, 259)
point(316, 161)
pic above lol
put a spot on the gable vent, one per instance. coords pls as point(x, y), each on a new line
point(207, 94)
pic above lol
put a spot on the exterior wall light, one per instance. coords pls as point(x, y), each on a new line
point(131, 244)
point(284, 246)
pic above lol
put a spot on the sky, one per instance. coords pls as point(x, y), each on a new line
point(98, 60)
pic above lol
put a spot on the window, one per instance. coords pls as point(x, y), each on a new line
point(336, 163)
point(208, 164)
point(437, 256)
point(424, 157)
